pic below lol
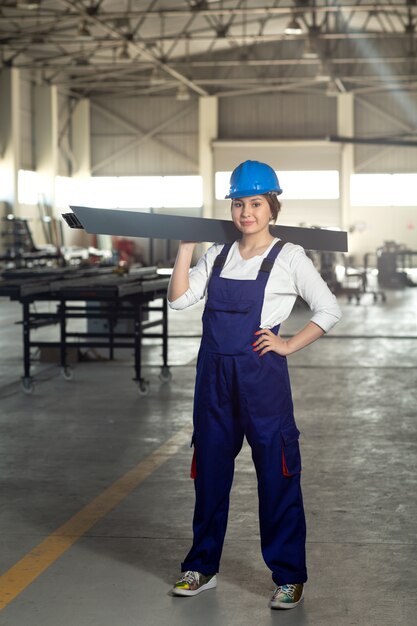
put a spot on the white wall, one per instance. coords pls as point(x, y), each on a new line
point(287, 131)
point(374, 225)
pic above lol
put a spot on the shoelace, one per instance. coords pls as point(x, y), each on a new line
point(190, 577)
point(287, 589)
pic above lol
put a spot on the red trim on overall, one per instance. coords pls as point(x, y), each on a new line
point(284, 465)
point(193, 472)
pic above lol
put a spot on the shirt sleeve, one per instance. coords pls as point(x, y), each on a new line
point(198, 279)
point(313, 289)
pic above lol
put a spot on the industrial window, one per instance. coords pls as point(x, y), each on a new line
point(383, 189)
point(28, 187)
point(123, 192)
point(140, 192)
point(296, 185)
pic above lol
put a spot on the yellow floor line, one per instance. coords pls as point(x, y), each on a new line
point(25, 571)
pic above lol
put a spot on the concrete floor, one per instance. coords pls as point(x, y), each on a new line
point(356, 406)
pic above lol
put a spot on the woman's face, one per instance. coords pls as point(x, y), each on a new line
point(251, 214)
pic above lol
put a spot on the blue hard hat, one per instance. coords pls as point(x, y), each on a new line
point(251, 178)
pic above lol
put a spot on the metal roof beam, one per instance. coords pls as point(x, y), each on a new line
point(139, 47)
point(269, 11)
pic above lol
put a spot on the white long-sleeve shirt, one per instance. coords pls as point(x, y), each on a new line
point(292, 275)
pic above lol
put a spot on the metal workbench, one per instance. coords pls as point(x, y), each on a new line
point(92, 293)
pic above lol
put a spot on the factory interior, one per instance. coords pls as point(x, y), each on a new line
point(139, 112)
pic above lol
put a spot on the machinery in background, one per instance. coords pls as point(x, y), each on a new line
point(344, 279)
point(20, 250)
point(397, 265)
point(392, 266)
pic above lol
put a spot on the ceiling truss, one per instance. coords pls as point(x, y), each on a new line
point(227, 48)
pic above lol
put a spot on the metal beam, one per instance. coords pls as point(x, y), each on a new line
point(161, 226)
point(141, 48)
point(270, 89)
point(379, 141)
point(269, 11)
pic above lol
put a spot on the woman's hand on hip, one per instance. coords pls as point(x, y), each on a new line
point(267, 341)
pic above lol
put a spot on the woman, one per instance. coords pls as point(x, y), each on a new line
point(242, 384)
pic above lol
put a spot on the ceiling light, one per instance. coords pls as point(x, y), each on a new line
point(122, 23)
point(340, 85)
point(323, 73)
point(409, 28)
point(83, 30)
point(182, 93)
point(310, 49)
point(81, 61)
point(28, 4)
point(222, 30)
point(124, 53)
point(332, 89)
point(199, 5)
point(37, 38)
point(311, 44)
point(293, 27)
point(156, 76)
point(93, 9)
point(335, 85)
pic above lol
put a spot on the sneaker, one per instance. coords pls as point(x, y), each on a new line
point(287, 596)
point(192, 583)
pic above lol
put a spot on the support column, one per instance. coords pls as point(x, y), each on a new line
point(346, 128)
point(81, 151)
point(9, 137)
point(208, 131)
point(80, 139)
point(46, 141)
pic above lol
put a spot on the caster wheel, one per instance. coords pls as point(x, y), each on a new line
point(67, 373)
point(143, 388)
point(26, 385)
point(165, 375)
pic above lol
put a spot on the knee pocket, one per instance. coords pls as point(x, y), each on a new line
point(291, 457)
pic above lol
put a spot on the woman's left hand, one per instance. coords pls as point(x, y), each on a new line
point(267, 341)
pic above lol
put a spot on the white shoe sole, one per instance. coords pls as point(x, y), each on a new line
point(185, 592)
point(286, 605)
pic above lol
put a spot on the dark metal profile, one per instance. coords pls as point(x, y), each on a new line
point(158, 226)
point(377, 141)
point(72, 220)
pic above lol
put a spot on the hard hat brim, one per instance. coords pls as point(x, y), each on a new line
point(251, 192)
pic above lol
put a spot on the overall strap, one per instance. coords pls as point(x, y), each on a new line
point(220, 259)
point(268, 262)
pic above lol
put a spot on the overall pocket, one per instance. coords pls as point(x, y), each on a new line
point(291, 458)
point(228, 326)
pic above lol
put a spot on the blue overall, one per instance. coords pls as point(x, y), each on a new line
point(237, 394)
